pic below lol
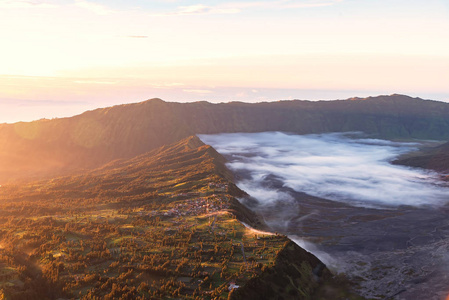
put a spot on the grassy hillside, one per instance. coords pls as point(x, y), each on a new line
point(50, 147)
point(159, 226)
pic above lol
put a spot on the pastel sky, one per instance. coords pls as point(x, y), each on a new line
point(61, 57)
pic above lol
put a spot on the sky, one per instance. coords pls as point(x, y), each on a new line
point(62, 57)
point(340, 167)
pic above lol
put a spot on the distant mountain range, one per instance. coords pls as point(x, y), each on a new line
point(52, 147)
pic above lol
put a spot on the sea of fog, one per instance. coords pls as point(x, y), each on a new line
point(338, 196)
point(344, 167)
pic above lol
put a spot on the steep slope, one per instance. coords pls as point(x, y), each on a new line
point(295, 275)
point(97, 137)
point(158, 226)
point(188, 164)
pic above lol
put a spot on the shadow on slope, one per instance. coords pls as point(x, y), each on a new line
point(60, 146)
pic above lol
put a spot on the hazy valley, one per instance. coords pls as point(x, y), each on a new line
point(126, 202)
point(97, 137)
point(162, 225)
point(338, 196)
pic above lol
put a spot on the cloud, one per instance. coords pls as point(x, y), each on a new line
point(306, 4)
point(200, 9)
point(237, 7)
point(167, 85)
point(138, 36)
point(195, 91)
point(330, 262)
point(339, 167)
point(241, 94)
point(95, 82)
point(33, 103)
point(26, 4)
point(282, 4)
point(348, 168)
point(93, 7)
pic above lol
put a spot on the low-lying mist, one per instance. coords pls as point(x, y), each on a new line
point(338, 196)
point(344, 167)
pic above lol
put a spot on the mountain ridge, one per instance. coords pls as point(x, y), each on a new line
point(156, 226)
point(89, 140)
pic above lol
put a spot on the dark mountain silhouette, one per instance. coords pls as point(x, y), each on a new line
point(96, 137)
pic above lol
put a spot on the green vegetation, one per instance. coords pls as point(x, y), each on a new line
point(159, 226)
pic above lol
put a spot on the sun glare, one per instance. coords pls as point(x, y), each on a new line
point(337, 45)
point(29, 131)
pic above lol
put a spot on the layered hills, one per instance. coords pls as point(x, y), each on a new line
point(52, 147)
point(129, 203)
point(161, 225)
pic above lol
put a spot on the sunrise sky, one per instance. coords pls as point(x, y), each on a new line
point(62, 57)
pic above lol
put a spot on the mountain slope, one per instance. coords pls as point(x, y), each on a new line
point(96, 137)
point(435, 158)
point(159, 226)
point(87, 140)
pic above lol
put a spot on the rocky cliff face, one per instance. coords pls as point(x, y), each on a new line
point(296, 274)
